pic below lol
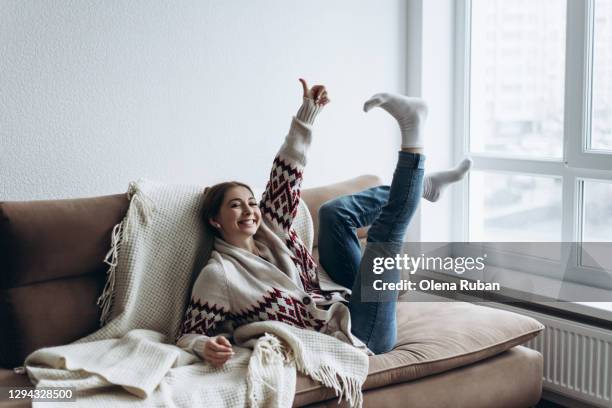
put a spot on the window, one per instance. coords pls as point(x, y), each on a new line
point(534, 111)
point(601, 123)
point(517, 62)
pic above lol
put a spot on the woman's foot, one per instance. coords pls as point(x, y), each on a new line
point(435, 183)
point(410, 114)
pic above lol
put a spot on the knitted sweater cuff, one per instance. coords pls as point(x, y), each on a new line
point(308, 111)
point(297, 142)
point(198, 346)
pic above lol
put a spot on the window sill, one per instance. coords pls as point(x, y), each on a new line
point(539, 292)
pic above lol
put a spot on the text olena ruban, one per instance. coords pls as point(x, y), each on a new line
point(411, 264)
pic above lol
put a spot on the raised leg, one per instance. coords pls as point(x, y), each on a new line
point(339, 248)
point(373, 319)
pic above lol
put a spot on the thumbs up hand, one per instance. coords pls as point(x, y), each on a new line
point(317, 93)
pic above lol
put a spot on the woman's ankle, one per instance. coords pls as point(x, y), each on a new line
point(418, 150)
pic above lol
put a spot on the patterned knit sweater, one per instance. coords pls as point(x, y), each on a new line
point(237, 287)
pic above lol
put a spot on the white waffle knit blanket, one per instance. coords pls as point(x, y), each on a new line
point(157, 251)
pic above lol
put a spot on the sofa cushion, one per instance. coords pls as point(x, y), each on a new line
point(45, 314)
point(44, 240)
point(434, 337)
point(512, 379)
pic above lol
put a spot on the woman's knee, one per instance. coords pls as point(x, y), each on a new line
point(331, 212)
point(383, 344)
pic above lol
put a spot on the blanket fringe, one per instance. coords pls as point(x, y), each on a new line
point(138, 202)
point(271, 350)
point(268, 352)
point(142, 204)
point(343, 385)
point(105, 299)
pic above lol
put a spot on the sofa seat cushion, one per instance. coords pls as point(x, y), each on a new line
point(434, 337)
point(512, 379)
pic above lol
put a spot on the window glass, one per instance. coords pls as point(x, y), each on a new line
point(601, 123)
point(597, 211)
point(597, 225)
point(517, 77)
point(514, 208)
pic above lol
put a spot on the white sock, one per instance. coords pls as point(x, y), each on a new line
point(410, 114)
point(435, 183)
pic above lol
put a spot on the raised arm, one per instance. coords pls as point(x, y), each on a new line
point(281, 198)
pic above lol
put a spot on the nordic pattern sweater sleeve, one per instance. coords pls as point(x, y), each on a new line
point(208, 311)
point(281, 198)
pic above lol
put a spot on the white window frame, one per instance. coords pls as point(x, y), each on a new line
point(577, 163)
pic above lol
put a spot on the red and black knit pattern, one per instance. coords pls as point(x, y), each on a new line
point(282, 195)
point(304, 262)
point(202, 318)
point(274, 305)
point(280, 204)
point(278, 305)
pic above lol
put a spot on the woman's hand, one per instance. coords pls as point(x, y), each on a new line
point(317, 93)
point(217, 351)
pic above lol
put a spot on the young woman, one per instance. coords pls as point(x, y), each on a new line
point(261, 270)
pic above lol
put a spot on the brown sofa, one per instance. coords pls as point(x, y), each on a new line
point(450, 354)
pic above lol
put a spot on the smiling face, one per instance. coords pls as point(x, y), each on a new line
point(239, 215)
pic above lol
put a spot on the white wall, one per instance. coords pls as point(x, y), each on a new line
point(97, 93)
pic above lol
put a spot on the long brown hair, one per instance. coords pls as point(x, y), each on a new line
point(213, 199)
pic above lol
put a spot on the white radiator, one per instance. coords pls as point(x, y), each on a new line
point(577, 358)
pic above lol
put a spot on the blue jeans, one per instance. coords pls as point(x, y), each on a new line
point(388, 210)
